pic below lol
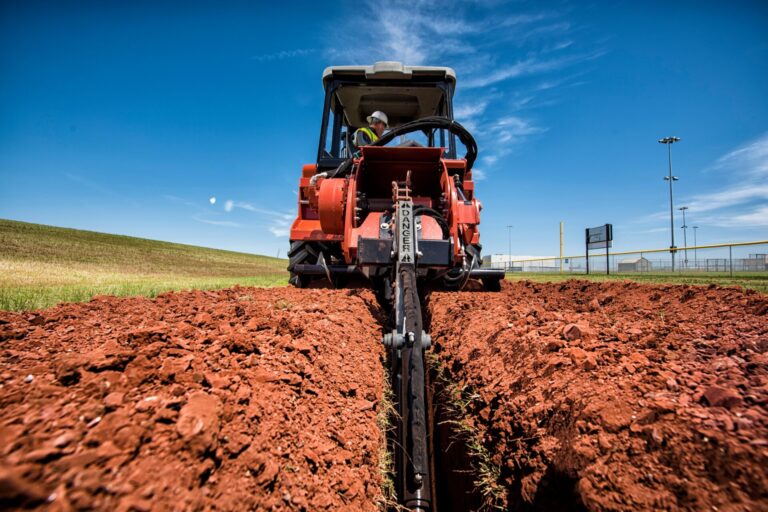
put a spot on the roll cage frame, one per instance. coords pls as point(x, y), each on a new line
point(334, 158)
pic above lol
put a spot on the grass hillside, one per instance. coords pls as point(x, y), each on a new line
point(43, 265)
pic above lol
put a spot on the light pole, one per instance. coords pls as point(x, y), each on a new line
point(695, 248)
point(685, 235)
point(509, 232)
point(669, 141)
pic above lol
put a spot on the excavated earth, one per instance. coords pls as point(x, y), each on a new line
point(241, 399)
point(614, 396)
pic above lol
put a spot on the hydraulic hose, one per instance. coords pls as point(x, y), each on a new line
point(435, 122)
point(429, 212)
point(457, 277)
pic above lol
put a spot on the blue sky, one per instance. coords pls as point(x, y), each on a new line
point(127, 118)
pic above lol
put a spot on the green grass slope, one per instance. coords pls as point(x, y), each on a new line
point(41, 266)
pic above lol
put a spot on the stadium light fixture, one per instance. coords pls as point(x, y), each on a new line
point(669, 141)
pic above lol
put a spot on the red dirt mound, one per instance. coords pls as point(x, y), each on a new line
point(238, 399)
point(615, 396)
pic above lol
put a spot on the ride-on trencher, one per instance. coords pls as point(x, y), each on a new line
point(401, 212)
point(345, 219)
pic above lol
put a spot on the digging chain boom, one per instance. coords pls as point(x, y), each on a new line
point(407, 342)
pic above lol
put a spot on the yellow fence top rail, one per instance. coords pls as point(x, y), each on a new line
point(624, 253)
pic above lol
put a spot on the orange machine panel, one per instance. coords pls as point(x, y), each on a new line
point(331, 205)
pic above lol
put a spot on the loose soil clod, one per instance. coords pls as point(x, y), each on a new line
point(614, 396)
point(238, 399)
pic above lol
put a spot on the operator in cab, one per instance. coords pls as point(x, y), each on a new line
point(377, 123)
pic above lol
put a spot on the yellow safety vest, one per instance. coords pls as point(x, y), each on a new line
point(370, 133)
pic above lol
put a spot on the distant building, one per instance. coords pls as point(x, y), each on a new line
point(634, 265)
point(756, 262)
point(521, 262)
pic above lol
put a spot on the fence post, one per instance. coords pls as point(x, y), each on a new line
point(730, 258)
point(586, 248)
point(561, 247)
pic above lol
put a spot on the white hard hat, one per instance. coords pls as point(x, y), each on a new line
point(380, 116)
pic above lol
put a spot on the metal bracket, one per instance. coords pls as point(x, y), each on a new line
point(321, 262)
point(395, 339)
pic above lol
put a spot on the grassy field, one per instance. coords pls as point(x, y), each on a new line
point(753, 280)
point(41, 266)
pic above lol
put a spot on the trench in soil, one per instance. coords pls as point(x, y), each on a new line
point(455, 474)
point(454, 478)
point(457, 479)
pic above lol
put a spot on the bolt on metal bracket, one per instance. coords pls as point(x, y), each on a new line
point(397, 340)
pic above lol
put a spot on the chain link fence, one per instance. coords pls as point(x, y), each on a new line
point(738, 258)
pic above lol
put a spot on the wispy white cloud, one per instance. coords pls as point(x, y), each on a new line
point(487, 49)
point(276, 222)
point(272, 213)
point(745, 217)
point(528, 66)
point(469, 110)
point(226, 223)
point(520, 68)
point(399, 37)
point(417, 31)
point(279, 222)
point(510, 129)
point(280, 227)
point(279, 231)
point(757, 217)
point(743, 203)
point(750, 159)
point(179, 200)
point(503, 136)
point(468, 114)
point(547, 30)
point(729, 196)
point(478, 174)
point(283, 54)
point(562, 45)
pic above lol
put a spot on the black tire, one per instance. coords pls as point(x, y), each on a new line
point(299, 253)
point(308, 252)
point(298, 280)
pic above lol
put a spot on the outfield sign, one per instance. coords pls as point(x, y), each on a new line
point(600, 237)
